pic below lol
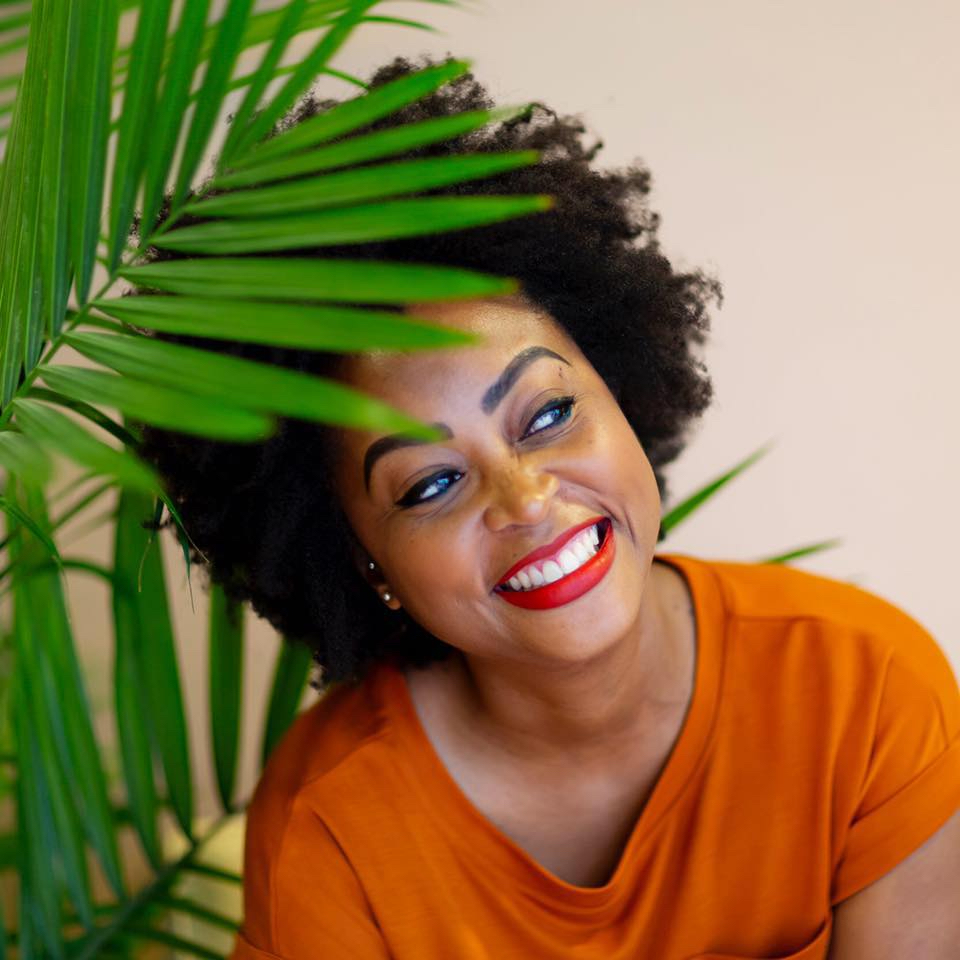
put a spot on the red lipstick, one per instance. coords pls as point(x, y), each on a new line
point(549, 549)
point(571, 585)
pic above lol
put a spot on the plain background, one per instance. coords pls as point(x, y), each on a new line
point(807, 155)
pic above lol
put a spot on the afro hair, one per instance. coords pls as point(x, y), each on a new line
point(265, 515)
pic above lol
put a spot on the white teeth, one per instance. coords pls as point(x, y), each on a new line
point(551, 572)
point(577, 552)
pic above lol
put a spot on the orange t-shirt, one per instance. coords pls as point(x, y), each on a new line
point(820, 748)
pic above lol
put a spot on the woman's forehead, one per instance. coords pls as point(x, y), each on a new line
point(459, 383)
point(507, 325)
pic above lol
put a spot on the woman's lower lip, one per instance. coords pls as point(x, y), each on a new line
point(568, 587)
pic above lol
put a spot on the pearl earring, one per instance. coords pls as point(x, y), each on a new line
point(387, 597)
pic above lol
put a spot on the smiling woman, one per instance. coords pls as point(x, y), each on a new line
point(539, 737)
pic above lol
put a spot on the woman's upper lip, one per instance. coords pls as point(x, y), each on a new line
point(549, 549)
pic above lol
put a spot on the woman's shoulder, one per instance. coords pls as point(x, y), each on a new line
point(841, 629)
point(321, 739)
point(777, 591)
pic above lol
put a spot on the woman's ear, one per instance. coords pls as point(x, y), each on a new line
point(371, 572)
point(359, 556)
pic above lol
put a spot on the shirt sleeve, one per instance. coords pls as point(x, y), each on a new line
point(303, 900)
point(912, 781)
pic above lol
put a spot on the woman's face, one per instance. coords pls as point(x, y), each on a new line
point(529, 456)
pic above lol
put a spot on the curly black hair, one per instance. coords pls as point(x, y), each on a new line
point(266, 516)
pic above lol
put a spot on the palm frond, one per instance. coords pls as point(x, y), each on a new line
point(54, 184)
point(350, 186)
point(289, 278)
point(359, 149)
point(137, 560)
point(226, 683)
point(56, 745)
point(290, 675)
point(806, 551)
point(353, 114)
point(309, 327)
point(95, 32)
point(54, 429)
point(360, 224)
point(239, 382)
point(696, 500)
point(172, 103)
point(139, 100)
point(23, 456)
point(158, 405)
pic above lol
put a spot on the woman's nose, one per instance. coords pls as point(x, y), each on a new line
point(521, 495)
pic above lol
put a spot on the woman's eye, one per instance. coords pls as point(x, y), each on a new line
point(415, 496)
point(566, 403)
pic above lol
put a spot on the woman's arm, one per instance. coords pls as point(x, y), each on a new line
point(302, 898)
point(913, 911)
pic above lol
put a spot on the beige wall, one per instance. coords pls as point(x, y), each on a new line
point(805, 152)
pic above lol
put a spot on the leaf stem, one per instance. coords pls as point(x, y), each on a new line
point(77, 317)
point(143, 898)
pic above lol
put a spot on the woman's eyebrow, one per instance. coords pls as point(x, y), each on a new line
point(490, 401)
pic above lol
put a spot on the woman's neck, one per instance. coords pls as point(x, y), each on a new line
point(585, 712)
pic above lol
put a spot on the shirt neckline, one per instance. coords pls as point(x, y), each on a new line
point(457, 814)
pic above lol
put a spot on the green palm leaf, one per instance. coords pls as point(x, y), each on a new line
point(692, 503)
point(138, 561)
point(226, 682)
point(172, 104)
point(39, 897)
point(130, 695)
point(139, 99)
point(125, 436)
point(14, 39)
point(290, 676)
point(283, 324)
point(367, 183)
point(352, 114)
point(376, 221)
point(359, 149)
point(290, 18)
point(23, 456)
point(89, 119)
point(215, 80)
point(301, 78)
point(346, 281)
point(79, 753)
point(158, 405)
point(20, 214)
point(11, 21)
point(258, 28)
point(243, 382)
point(797, 552)
point(184, 905)
point(58, 758)
point(18, 514)
point(63, 51)
point(48, 426)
